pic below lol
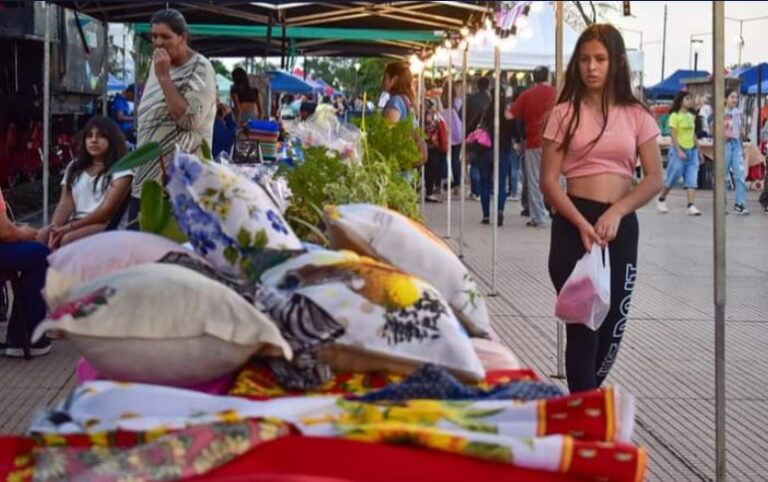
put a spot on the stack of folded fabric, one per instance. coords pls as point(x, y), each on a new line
point(266, 133)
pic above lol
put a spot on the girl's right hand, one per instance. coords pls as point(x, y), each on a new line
point(589, 236)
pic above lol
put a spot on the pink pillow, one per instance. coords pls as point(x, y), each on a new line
point(494, 356)
point(218, 386)
point(103, 254)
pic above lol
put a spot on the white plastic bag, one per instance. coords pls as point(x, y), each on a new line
point(586, 295)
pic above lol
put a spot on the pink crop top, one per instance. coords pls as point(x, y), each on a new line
point(616, 152)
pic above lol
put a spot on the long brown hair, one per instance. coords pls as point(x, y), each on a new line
point(618, 85)
point(117, 149)
point(403, 80)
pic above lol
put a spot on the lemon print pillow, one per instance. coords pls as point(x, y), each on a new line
point(396, 239)
point(394, 321)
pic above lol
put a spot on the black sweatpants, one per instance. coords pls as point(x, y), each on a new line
point(433, 170)
point(589, 355)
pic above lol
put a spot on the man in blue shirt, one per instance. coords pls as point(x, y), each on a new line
point(122, 111)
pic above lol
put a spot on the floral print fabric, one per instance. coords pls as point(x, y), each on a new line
point(585, 434)
point(393, 321)
point(175, 456)
point(228, 218)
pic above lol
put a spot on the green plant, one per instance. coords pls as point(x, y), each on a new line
point(381, 179)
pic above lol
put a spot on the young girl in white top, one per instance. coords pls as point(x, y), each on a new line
point(90, 197)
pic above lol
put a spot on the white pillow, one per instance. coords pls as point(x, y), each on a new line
point(101, 254)
point(394, 321)
point(400, 241)
point(160, 323)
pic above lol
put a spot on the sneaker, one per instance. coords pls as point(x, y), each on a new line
point(431, 199)
point(765, 209)
point(741, 210)
point(534, 224)
point(692, 211)
point(42, 347)
point(513, 198)
point(485, 221)
point(501, 219)
point(525, 213)
point(662, 206)
point(475, 197)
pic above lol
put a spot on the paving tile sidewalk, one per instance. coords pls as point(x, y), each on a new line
point(667, 356)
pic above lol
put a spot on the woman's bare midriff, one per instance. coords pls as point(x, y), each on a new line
point(603, 188)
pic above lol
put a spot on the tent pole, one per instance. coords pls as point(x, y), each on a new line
point(449, 156)
point(558, 85)
point(494, 209)
point(46, 108)
point(462, 174)
point(718, 56)
point(136, 64)
point(420, 113)
point(105, 71)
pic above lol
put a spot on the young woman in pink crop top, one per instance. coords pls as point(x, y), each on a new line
point(593, 137)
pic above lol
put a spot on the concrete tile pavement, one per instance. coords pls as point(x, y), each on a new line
point(667, 356)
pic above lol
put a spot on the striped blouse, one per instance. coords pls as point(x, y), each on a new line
point(195, 81)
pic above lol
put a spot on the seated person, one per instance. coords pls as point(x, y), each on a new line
point(25, 262)
point(90, 197)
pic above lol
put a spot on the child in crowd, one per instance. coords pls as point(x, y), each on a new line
point(90, 197)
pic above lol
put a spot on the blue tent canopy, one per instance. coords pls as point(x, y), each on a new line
point(749, 78)
point(287, 83)
point(670, 86)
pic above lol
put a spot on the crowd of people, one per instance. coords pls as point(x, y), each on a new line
point(590, 135)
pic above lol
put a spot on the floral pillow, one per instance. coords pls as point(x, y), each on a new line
point(229, 219)
point(387, 235)
point(393, 321)
point(160, 323)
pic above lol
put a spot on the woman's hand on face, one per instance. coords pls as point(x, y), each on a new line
point(607, 226)
point(162, 63)
point(589, 236)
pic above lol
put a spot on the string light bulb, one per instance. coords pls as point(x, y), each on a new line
point(537, 7)
point(526, 33)
point(448, 44)
point(509, 43)
point(522, 22)
point(463, 45)
point(464, 31)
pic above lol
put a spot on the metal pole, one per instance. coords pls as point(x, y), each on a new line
point(136, 64)
point(664, 43)
point(741, 40)
point(559, 76)
point(462, 193)
point(718, 55)
point(46, 108)
point(449, 157)
point(420, 113)
point(494, 211)
point(757, 139)
point(105, 71)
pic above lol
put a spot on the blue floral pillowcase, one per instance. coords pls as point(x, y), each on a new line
point(229, 219)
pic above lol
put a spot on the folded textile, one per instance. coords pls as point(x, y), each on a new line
point(432, 382)
point(584, 435)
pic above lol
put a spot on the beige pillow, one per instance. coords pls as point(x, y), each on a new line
point(393, 321)
point(160, 323)
point(387, 235)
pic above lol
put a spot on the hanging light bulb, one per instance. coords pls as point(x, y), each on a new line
point(448, 44)
point(416, 65)
point(488, 23)
point(526, 33)
point(522, 22)
point(472, 72)
point(464, 31)
point(537, 7)
point(463, 45)
point(441, 54)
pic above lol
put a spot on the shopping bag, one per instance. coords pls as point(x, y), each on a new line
point(586, 295)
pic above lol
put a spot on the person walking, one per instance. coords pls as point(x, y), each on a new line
point(532, 107)
point(477, 104)
point(593, 137)
point(734, 153)
point(484, 161)
point(178, 106)
point(683, 155)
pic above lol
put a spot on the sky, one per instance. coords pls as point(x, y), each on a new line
point(691, 18)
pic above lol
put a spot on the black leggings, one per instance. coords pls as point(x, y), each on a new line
point(589, 355)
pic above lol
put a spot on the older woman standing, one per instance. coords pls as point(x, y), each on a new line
point(178, 107)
